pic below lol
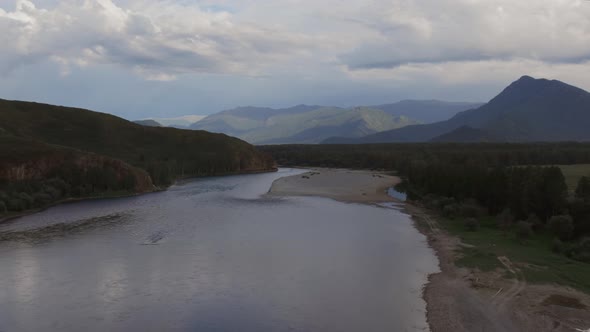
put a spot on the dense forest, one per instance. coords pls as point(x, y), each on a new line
point(51, 153)
point(519, 184)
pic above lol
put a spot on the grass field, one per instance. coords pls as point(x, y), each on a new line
point(535, 258)
point(573, 173)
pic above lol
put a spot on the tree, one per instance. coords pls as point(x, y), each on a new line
point(497, 190)
point(523, 230)
point(562, 226)
point(471, 224)
point(451, 210)
point(15, 204)
point(534, 221)
point(582, 250)
point(505, 219)
point(554, 192)
point(129, 181)
point(583, 188)
point(579, 209)
point(3, 208)
point(470, 209)
point(26, 200)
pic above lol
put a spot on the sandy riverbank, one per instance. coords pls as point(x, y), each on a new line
point(458, 299)
point(461, 299)
point(339, 184)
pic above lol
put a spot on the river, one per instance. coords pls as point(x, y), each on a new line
point(214, 254)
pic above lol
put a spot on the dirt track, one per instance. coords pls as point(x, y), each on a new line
point(461, 299)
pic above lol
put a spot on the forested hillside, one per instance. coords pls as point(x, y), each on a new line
point(94, 152)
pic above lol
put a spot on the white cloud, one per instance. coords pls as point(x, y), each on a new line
point(439, 31)
point(464, 72)
point(445, 41)
point(158, 39)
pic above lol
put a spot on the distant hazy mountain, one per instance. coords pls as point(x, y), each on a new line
point(427, 111)
point(466, 134)
point(181, 122)
point(300, 124)
point(148, 123)
point(527, 110)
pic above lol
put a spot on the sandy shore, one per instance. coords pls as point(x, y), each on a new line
point(340, 184)
point(458, 299)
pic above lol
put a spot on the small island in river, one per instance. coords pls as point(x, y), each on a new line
point(346, 185)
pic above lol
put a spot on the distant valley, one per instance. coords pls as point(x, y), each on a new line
point(311, 124)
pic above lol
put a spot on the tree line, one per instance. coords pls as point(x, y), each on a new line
point(68, 181)
point(518, 184)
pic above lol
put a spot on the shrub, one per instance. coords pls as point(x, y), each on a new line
point(562, 226)
point(471, 210)
point(558, 246)
point(534, 222)
point(52, 192)
point(27, 200)
point(524, 230)
point(42, 199)
point(3, 207)
point(579, 209)
point(60, 185)
point(565, 248)
point(581, 250)
point(505, 219)
point(451, 211)
point(444, 201)
point(431, 202)
point(471, 224)
point(583, 188)
point(15, 204)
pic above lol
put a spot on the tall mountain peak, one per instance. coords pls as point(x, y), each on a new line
point(529, 109)
point(527, 87)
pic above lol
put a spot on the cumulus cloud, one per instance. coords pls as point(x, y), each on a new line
point(440, 31)
point(159, 40)
point(347, 47)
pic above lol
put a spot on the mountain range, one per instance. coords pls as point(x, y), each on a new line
point(308, 124)
point(148, 123)
point(426, 111)
point(181, 122)
point(528, 110)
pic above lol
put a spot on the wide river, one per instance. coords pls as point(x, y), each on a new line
point(214, 254)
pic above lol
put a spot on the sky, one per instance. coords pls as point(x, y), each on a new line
point(149, 58)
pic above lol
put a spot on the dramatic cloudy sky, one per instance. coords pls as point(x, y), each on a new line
point(166, 58)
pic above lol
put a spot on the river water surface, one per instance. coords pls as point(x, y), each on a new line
point(214, 254)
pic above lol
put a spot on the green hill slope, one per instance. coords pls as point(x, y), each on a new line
point(177, 152)
point(300, 124)
point(36, 140)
